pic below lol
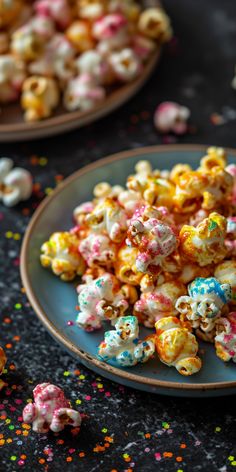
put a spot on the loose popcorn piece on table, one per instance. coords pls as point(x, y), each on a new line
point(100, 300)
point(171, 117)
point(225, 339)
point(225, 273)
point(155, 24)
point(3, 360)
point(108, 217)
point(177, 346)
point(50, 410)
point(158, 302)
point(15, 184)
point(12, 76)
point(204, 304)
point(154, 239)
point(40, 95)
point(123, 346)
point(205, 243)
point(61, 254)
point(83, 93)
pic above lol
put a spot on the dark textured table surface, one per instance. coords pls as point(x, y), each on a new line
point(123, 430)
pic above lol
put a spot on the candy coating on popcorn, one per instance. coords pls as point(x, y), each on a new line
point(171, 117)
point(155, 24)
point(91, 9)
point(83, 93)
point(154, 239)
point(15, 184)
point(79, 34)
point(50, 410)
point(123, 346)
point(225, 339)
point(125, 265)
point(100, 300)
point(98, 249)
point(158, 303)
point(9, 10)
point(177, 346)
point(204, 303)
point(40, 96)
point(205, 243)
point(110, 218)
point(91, 62)
point(215, 157)
point(61, 254)
point(3, 360)
point(111, 31)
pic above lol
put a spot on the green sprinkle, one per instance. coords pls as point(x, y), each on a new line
point(78, 402)
point(104, 430)
point(217, 429)
point(13, 458)
point(11, 426)
point(66, 373)
point(231, 458)
point(233, 463)
point(18, 306)
point(165, 425)
point(212, 225)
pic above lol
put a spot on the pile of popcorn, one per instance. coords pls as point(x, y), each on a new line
point(76, 49)
point(162, 249)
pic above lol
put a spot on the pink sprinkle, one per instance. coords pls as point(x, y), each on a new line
point(71, 451)
point(12, 408)
point(1, 406)
point(20, 418)
point(20, 462)
point(70, 323)
point(147, 449)
point(197, 443)
point(88, 397)
point(157, 456)
point(18, 401)
point(108, 394)
point(16, 262)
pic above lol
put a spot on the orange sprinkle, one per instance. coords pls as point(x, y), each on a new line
point(41, 461)
point(69, 459)
point(34, 160)
point(3, 417)
point(60, 441)
point(114, 470)
point(127, 459)
point(2, 441)
point(7, 320)
point(25, 433)
point(18, 431)
point(109, 439)
point(179, 459)
point(147, 435)
point(59, 177)
point(25, 211)
point(183, 446)
point(12, 367)
point(8, 345)
point(129, 470)
point(1, 436)
point(23, 456)
point(23, 290)
point(16, 338)
point(26, 426)
point(168, 454)
point(77, 372)
point(107, 444)
point(81, 454)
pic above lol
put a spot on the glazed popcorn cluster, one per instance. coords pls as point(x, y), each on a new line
point(74, 49)
point(159, 253)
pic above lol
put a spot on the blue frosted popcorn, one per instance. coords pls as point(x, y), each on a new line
point(203, 286)
point(123, 346)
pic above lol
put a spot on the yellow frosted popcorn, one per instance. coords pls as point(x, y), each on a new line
point(39, 97)
point(60, 253)
point(155, 24)
point(125, 266)
point(177, 346)
point(215, 157)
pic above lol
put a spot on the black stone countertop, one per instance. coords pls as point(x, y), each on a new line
point(123, 430)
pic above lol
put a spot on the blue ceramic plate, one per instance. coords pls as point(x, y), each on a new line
point(55, 301)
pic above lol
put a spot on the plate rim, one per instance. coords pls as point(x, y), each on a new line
point(68, 120)
point(35, 303)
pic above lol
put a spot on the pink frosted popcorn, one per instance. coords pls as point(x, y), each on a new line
point(100, 300)
point(154, 239)
point(230, 241)
point(125, 64)
point(50, 410)
point(143, 47)
point(83, 93)
point(225, 339)
point(57, 10)
point(231, 169)
point(111, 32)
point(158, 303)
point(92, 62)
point(171, 117)
point(98, 249)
